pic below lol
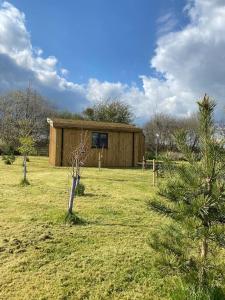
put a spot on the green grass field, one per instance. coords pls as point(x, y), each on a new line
point(107, 257)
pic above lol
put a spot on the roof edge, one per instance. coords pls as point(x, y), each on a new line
point(95, 125)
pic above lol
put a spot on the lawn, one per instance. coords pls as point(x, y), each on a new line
point(106, 257)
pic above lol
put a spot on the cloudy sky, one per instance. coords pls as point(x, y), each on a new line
point(158, 56)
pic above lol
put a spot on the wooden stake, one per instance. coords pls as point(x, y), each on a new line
point(99, 161)
point(153, 169)
point(143, 163)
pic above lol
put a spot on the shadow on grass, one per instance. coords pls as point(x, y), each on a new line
point(118, 180)
point(74, 219)
point(24, 182)
point(89, 195)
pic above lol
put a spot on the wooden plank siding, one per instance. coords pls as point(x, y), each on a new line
point(125, 149)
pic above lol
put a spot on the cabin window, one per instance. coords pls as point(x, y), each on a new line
point(99, 140)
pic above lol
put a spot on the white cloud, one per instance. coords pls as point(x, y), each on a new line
point(18, 56)
point(187, 63)
point(96, 90)
point(191, 60)
point(166, 23)
point(64, 72)
point(104, 90)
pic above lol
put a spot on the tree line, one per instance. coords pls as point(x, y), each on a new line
point(161, 129)
point(24, 113)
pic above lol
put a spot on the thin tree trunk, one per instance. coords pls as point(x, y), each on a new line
point(24, 167)
point(99, 161)
point(75, 182)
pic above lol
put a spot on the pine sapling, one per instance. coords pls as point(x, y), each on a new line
point(194, 197)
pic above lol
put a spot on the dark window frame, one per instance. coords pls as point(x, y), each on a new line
point(99, 144)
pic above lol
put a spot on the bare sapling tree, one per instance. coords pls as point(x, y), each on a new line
point(78, 158)
point(26, 145)
point(26, 148)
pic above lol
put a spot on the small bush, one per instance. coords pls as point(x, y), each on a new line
point(74, 219)
point(80, 189)
point(8, 159)
point(8, 155)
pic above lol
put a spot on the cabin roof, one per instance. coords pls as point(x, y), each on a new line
point(92, 125)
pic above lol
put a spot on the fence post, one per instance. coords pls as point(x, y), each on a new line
point(143, 163)
point(153, 169)
point(99, 161)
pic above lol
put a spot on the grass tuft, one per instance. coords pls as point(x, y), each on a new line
point(74, 219)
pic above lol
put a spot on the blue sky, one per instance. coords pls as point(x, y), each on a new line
point(159, 56)
point(110, 40)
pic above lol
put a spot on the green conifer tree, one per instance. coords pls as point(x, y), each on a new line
point(194, 197)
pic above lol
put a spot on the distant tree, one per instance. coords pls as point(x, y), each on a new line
point(160, 130)
point(25, 111)
point(26, 148)
point(194, 197)
point(89, 113)
point(68, 115)
point(109, 111)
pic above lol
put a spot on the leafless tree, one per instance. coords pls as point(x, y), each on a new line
point(77, 160)
point(23, 113)
point(160, 130)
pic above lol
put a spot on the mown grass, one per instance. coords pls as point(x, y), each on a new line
point(107, 256)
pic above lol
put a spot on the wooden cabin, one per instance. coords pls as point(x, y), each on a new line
point(121, 145)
